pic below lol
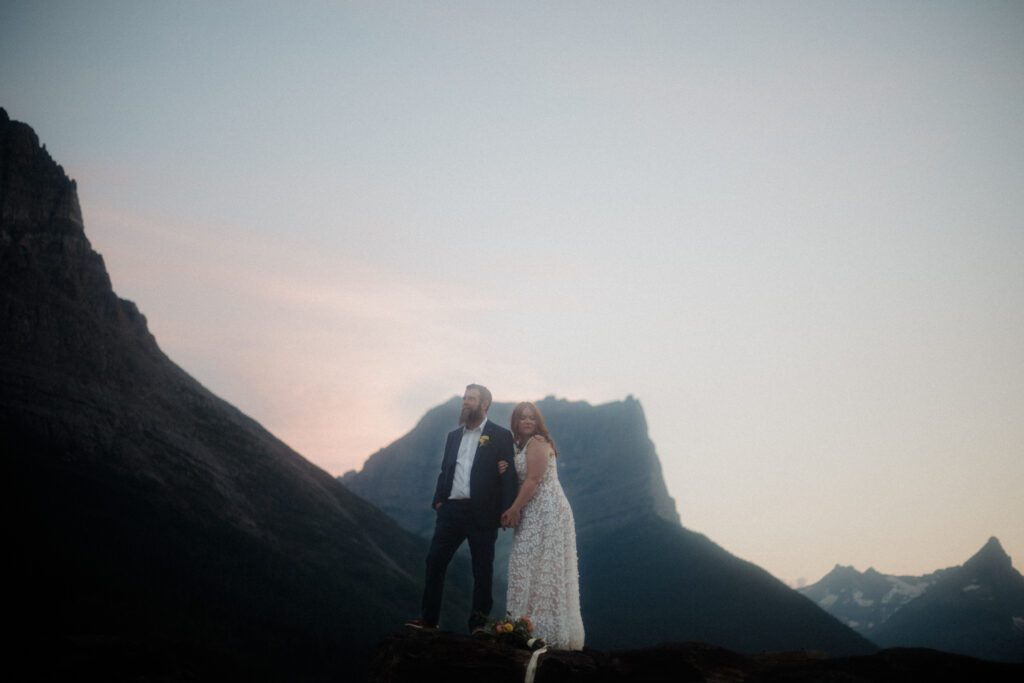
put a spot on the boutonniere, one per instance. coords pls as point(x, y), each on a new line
point(483, 440)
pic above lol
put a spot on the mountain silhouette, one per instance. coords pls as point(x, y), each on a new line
point(644, 578)
point(161, 533)
point(976, 609)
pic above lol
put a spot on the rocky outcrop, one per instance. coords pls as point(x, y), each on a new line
point(35, 194)
point(418, 656)
point(59, 313)
point(161, 533)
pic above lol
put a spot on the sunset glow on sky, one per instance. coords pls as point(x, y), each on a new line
point(794, 231)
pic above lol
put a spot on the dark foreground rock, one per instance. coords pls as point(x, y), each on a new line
point(439, 655)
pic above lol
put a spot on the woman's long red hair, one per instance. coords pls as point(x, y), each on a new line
point(542, 428)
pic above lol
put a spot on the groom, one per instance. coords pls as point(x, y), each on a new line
point(469, 499)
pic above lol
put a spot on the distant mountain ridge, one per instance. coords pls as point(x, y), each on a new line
point(162, 534)
point(644, 579)
point(975, 609)
point(862, 601)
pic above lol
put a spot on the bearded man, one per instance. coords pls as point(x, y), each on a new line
point(471, 493)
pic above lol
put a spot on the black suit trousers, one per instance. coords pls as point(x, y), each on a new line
point(456, 523)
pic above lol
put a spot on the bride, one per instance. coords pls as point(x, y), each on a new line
point(543, 575)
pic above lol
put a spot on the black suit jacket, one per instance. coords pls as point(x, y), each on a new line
point(490, 493)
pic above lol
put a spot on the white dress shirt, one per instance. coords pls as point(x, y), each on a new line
point(464, 462)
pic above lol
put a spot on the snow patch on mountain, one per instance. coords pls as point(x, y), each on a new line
point(903, 591)
point(858, 597)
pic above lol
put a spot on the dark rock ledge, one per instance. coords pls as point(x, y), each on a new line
point(410, 655)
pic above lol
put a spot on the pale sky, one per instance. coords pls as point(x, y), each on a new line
point(793, 230)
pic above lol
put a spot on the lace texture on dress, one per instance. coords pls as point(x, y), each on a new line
point(543, 570)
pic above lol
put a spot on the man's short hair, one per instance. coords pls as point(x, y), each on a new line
point(485, 394)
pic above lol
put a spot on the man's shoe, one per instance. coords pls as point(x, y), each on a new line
point(420, 624)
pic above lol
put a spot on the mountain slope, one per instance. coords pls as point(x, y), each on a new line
point(643, 578)
point(162, 532)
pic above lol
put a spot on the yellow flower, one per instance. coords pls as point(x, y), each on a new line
point(509, 628)
point(484, 439)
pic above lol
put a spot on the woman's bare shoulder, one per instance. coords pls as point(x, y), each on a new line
point(538, 446)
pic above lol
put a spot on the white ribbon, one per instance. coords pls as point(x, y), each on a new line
point(531, 668)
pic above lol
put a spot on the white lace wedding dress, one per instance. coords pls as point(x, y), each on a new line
point(543, 574)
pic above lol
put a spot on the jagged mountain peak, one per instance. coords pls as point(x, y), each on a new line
point(990, 555)
point(840, 573)
point(36, 194)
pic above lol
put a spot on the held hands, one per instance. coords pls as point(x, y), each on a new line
point(510, 518)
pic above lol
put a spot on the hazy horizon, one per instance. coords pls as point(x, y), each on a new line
point(793, 231)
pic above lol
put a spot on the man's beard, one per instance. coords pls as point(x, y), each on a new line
point(470, 415)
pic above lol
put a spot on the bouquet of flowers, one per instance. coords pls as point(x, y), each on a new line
point(518, 632)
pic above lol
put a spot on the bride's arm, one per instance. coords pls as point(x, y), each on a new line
point(536, 465)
